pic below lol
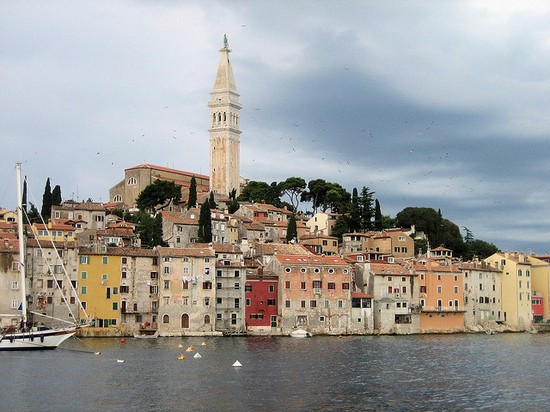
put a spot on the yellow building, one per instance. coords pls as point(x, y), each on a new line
point(54, 230)
point(516, 287)
point(99, 276)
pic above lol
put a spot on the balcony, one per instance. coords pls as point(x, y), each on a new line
point(442, 309)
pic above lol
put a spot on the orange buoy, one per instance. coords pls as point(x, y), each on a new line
point(181, 356)
point(122, 340)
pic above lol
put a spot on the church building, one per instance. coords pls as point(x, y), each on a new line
point(224, 148)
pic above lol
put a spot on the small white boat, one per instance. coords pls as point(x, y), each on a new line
point(300, 333)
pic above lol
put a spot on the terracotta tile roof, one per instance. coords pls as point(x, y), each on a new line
point(118, 251)
point(226, 248)
point(186, 252)
point(166, 169)
point(284, 248)
point(388, 269)
point(46, 244)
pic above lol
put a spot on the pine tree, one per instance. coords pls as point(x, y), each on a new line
point(205, 224)
point(292, 229)
point(24, 201)
point(192, 202)
point(46, 210)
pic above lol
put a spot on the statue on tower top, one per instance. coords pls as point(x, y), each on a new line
point(225, 42)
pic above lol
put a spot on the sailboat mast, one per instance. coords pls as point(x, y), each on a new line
point(23, 286)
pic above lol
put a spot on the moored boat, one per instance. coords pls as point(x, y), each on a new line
point(300, 333)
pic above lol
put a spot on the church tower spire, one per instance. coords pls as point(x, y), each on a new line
point(224, 128)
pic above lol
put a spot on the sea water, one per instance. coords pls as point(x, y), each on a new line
point(420, 372)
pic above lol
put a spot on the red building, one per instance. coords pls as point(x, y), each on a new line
point(261, 306)
point(537, 304)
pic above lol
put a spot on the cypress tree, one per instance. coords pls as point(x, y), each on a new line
point(212, 202)
point(56, 195)
point(24, 201)
point(205, 224)
point(192, 202)
point(292, 229)
point(46, 210)
point(378, 223)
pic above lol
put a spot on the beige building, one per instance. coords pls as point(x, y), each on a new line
point(516, 287)
point(322, 223)
point(482, 294)
point(85, 215)
point(137, 178)
point(540, 274)
point(390, 242)
point(187, 304)
point(224, 129)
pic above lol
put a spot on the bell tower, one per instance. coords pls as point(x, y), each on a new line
point(224, 128)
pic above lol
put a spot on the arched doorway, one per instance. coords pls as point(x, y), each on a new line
point(207, 319)
point(185, 321)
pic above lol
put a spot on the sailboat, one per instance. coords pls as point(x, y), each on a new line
point(26, 336)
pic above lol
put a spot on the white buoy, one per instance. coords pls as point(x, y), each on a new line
point(120, 360)
point(197, 355)
point(237, 364)
point(97, 353)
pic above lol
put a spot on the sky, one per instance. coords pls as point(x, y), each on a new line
point(440, 104)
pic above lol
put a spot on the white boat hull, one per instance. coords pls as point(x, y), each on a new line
point(300, 333)
point(36, 340)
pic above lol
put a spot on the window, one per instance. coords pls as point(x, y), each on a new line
point(390, 289)
point(247, 301)
point(218, 285)
point(403, 289)
point(340, 303)
point(237, 285)
point(115, 290)
point(327, 304)
point(115, 305)
point(132, 181)
point(167, 270)
point(287, 303)
point(83, 290)
point(456, 289)
point(105, 260)
point(153, 289)
point(207, 285)
point(154, 275)
point(331, 285)
point(317, 284)
point(438, 277)
point(185, 285)
point(271, 288)
point(104, 276)
point(166, 284)
point(287, 284)
point(248, 288)
point(237, 302)
point(166, 319)
point(237, 273)
point(15, 285)
point(302, 303)
point(233, 318)
point(271, 302)
point(123, 274)
point(439, 289)
point(49, 283)
point(124, 260)
point(124, 289)
point(303, 285)
point(312, 303)
point(84, 260)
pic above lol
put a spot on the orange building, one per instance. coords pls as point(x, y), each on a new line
point(441, 295)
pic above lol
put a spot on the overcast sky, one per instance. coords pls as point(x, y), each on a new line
point(441, 104)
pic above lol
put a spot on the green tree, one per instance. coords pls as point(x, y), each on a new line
point(257, 192)
point(315, 194)
point(355, 213)
point(205, 224)
point(212, 201)
point(337, 199)
point(192, 201)
point(293, 187)
point(56, 195)
point(481, 249)
point(341, 226)
point(33, 215)
point(149, 229)
point(46, 210)
point(366, 209)
point(233, 204)
point(378, 220)
point(158, 195)
point(292, 229)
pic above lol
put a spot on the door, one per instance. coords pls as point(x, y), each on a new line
point(185, 321)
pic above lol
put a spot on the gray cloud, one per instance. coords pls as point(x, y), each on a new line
point(442, 105)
